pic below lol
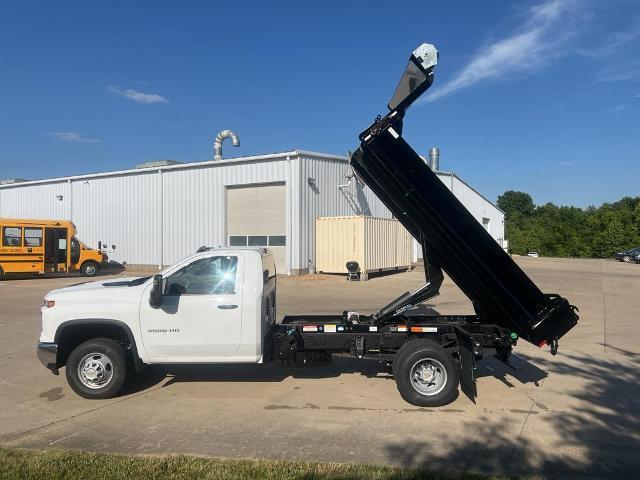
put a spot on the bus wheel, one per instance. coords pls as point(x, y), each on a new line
point(89, 269)
point(1, 272)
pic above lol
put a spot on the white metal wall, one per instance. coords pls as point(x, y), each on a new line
point(153, 216)
point(36, 201)
point(194, 201)
point(158, 215)
point(123, 211)
point(322, 198)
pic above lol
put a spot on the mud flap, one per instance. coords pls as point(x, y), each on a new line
point(467, 366)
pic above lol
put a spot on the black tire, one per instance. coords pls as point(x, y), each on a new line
point(94, 352)
point(89, 269)
point(1, 272)
point(417, 354)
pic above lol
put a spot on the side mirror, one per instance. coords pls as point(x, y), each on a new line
point(155, 295)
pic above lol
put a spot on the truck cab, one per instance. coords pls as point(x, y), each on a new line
point(213, 307)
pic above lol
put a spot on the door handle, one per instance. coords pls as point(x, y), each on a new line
point(227, 307)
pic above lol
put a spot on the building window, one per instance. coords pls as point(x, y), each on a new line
point(237, 240)
point(277, 240)
point(32, 237)
point(257, 240)
point(486, 223)
point(12, 237)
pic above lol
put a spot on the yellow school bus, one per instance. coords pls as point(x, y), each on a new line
point(45, 246)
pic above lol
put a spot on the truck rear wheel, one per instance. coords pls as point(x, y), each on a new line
point(426, 375)
point(89, 269)
point(97, 368)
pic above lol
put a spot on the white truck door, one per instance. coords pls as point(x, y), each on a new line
point(200, 317)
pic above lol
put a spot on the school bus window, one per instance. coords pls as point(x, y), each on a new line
point(32, 237)
point(12, 237)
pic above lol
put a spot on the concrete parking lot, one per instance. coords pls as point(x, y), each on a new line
point(577, 413)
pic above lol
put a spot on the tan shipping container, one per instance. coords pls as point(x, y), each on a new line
point(377, 244)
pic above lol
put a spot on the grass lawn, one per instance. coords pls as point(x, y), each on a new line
point(69, 464)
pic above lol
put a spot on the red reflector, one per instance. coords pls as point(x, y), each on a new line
point(51, 303)
point(416, 329)
point(542, 343)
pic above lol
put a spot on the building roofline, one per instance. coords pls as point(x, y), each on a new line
point(451, 173)
point(209, 163)
point(179, 166)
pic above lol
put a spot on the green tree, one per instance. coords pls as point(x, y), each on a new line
point(511, 202)
point(570, 231)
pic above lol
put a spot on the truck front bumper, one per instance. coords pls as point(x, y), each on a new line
point(48, 356)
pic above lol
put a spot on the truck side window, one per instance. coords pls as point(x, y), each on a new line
point(206, 276)
point(12, 237)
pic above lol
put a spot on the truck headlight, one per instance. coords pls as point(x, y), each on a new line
point(48, 303)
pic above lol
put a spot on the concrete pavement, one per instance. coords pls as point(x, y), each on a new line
point(577, 413)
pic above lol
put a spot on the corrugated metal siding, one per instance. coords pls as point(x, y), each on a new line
point(153, 218)
point(324, 199)
point(122, 211)
point(157, 218)
point(194, 203)
point(375, 243)
point(338, 240)
point(36, 201)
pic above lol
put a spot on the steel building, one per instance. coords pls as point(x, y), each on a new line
point(159, 214)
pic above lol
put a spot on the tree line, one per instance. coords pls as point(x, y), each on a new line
point(558, 231)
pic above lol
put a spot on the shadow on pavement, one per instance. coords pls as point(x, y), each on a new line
point(604, 432)
point(270, 373)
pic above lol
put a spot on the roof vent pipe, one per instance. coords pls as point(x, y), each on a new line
point(434, 158)
point(217, 145)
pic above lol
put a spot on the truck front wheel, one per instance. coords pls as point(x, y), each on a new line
point(89, 269)
point(97, 368)
point(426, 375)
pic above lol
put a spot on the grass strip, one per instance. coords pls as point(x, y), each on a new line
point(57, 464)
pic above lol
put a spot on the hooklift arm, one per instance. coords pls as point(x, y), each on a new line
point(452, 239)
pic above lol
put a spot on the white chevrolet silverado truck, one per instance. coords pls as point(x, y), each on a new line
point(218, 306)
point(212, 307)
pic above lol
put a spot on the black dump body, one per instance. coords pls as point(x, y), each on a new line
point(452, 238)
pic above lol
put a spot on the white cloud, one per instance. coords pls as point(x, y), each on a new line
point(74, 137)
point(137, 96)
point(567, 163)
point(537, 41)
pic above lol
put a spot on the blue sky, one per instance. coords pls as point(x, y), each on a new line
point(540, 96)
